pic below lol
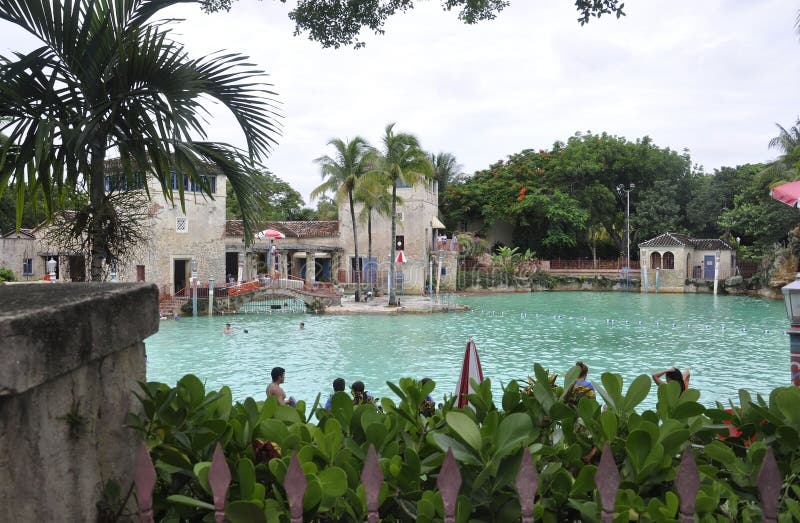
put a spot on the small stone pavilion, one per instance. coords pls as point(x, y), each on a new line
point(678, 258)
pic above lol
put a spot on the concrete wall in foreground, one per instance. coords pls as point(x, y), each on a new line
point(70, 357)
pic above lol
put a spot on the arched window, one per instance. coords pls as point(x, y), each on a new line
point(668, 261)
point(655, 260)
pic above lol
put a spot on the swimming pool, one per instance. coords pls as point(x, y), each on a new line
point(728, 342)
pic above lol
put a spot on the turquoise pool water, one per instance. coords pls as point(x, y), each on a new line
point(728, 343)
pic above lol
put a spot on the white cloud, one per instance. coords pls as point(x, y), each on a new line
point(711, 76)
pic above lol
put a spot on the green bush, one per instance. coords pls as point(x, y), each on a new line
point(562, 431)
point(6, 275)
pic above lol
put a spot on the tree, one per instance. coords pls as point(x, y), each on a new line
point(341, 174)
point(445, 168)
point(787, 166)
point(334, 23)
point(327, 210)
point(108, 79)
point(278, 201)
point(401, 160)
point(373, 192)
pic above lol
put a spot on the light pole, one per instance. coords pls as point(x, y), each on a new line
point(791, 295)
point(621, 189)
point(193, 264)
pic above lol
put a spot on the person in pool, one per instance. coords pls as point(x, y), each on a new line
point(673, 374)
point(228, 329)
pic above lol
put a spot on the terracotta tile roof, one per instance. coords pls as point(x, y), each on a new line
point(305, 229)
point(674, 239)
point(23, 233)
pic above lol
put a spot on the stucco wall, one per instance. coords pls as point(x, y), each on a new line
point(202, 240)
point(14, 249)
point(70, 357)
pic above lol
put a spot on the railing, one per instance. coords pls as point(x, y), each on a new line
point(607, 481)
point(588, 265)
point(748, 269)
point(449, 244)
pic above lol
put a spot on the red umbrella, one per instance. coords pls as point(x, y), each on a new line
point(470, 369)
point(269, 233)
point(788, 193)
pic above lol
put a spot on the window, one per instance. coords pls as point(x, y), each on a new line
point(402, 185)
point(182, 224)
point(669, 260)
point(140, 273)
point(655, 260)
point(27, 266)
point(210, 181)
point(120, 182)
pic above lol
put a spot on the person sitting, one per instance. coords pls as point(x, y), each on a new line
point(338, 386)
point(428, 407)
point(673, 374)
point(581, 381)
point(360, 396)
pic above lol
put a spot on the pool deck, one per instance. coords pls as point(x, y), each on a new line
point(380, 305)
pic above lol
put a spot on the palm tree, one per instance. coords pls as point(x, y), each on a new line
point(341, 175)
point(445, 168)
point(374, 194)
point(401, 160)
point(787, 166)
point(107, 79)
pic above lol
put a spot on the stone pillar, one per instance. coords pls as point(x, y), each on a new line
point(284, 265)
point(69, 365)
point(310, 267)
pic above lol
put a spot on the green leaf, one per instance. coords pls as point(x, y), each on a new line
point(191, 502)
point(333, 481)
point(512, 432)
point(245, 512)
point(201, 471)
point(584, 482)
point(273, 430)
point(247, 478)
point(638, 447)
point(461, 452)
point(609, 422)
point(637, 392)
point(687, 410)
point(193, 390)
point(465, 428)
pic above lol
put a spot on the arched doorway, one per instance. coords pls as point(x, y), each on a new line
point(655, 260)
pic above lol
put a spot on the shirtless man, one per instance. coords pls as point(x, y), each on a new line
point(275, 389)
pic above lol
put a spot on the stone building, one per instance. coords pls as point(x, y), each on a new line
point(679, 258)
point(198, 231)
point(418, 231)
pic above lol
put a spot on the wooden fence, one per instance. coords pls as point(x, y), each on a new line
point(607, 480)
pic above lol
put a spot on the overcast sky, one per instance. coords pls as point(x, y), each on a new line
point(710, 76)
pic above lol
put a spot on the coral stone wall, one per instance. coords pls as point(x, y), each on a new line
point(70, 359)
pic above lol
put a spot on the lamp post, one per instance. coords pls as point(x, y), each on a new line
point(193, 264)
point(51, 269)
point(621, 189)
point(791, 295)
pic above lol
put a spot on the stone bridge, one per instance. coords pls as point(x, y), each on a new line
point(315, 299)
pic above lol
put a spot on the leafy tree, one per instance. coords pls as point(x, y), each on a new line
point(341, 174)
point(787, 166)
point(759, 220)
point(400, 160)
point(107, 78)
point(657, 211)
point(327, 210)
point(335, 22)
point(277, 200)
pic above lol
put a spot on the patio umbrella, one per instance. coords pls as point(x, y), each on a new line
point(470, 369)
point(788, 193)
point(270, 233)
